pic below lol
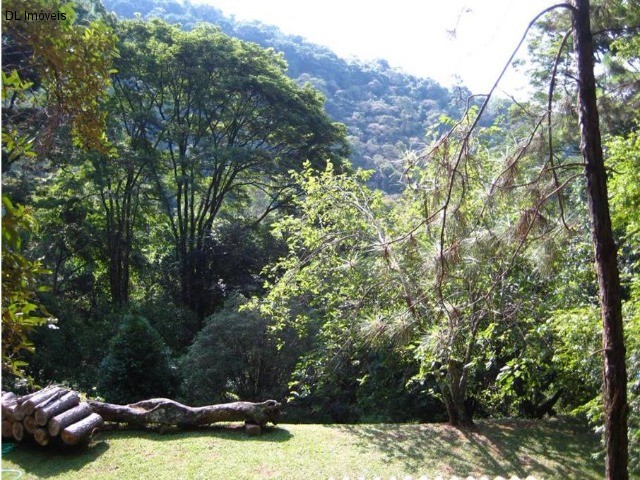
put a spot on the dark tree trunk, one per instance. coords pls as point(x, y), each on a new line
point(199, 290)
point(120, 197)
point(614, 374)
point(454, 394)
point(119, 260)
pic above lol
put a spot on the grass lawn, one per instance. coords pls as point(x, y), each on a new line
point(543, 449)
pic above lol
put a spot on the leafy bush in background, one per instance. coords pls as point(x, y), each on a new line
point(137, 365)
point(236, 356)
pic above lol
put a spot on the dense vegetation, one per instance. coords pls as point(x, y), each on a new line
point(385, 110)
point(181, 218)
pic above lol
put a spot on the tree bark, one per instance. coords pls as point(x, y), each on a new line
point(9, 397)
point(26, 397)
point(67, 401)
point(8, 410)
point(82, 430)
point(63, 420)
point(169, 412)
point(41, 398)
point(454, 393)
point(614, 373)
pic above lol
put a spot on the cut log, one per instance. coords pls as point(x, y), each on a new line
point(19, 412)
point(169, 412)
point(7, 429)
point(18, 431)
point(53, 408)
point(42, 398)
point(82, 430)
point(64, 419)
point(8, 410)
point(9, 397)
point(26, 397)
point(41, 436)
point(29, 423)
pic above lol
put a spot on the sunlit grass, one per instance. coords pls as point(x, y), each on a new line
point(545, 449)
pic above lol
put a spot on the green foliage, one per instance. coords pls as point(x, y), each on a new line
point(72, 64)
point(137, 365)
point(624, 185)
point(624, 159)
point(448, 267)
point(218, 120)
point(83, 334)
point(21, 279)
point(385, 110)
point(236, 356)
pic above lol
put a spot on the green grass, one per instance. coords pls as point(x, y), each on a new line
point(543, 449)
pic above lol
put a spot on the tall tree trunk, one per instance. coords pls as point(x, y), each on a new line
point(614, 375)
point(119, 259)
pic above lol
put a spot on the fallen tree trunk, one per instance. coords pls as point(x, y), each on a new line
point(8, 410)
point(82, 430)
point(9, 397)
point(19, 412)
point(169, 412)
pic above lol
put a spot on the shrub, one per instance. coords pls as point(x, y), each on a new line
point(236, 356)
point(137, 365)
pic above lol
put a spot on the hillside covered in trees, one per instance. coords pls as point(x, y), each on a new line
point(188, 214)
point(384, 109)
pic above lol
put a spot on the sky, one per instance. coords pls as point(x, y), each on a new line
point(413, 35)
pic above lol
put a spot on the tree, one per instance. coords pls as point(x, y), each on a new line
point(119, 182)
point(615, 374)
point(377, 267)
point(21, 311)
point(219, 118)
point(71, 65)
point(137, 365)
point(237, 356)
point(71, 62)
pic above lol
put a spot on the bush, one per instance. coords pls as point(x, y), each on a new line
point(176, 324)
point(235, 356)
point(137, 365)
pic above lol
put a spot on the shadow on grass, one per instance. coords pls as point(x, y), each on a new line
point(545, 448)
point(53, 460)
point(235, 432)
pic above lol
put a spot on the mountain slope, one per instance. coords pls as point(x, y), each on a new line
point(386, 111)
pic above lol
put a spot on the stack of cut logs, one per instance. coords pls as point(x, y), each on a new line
point(48, 414)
